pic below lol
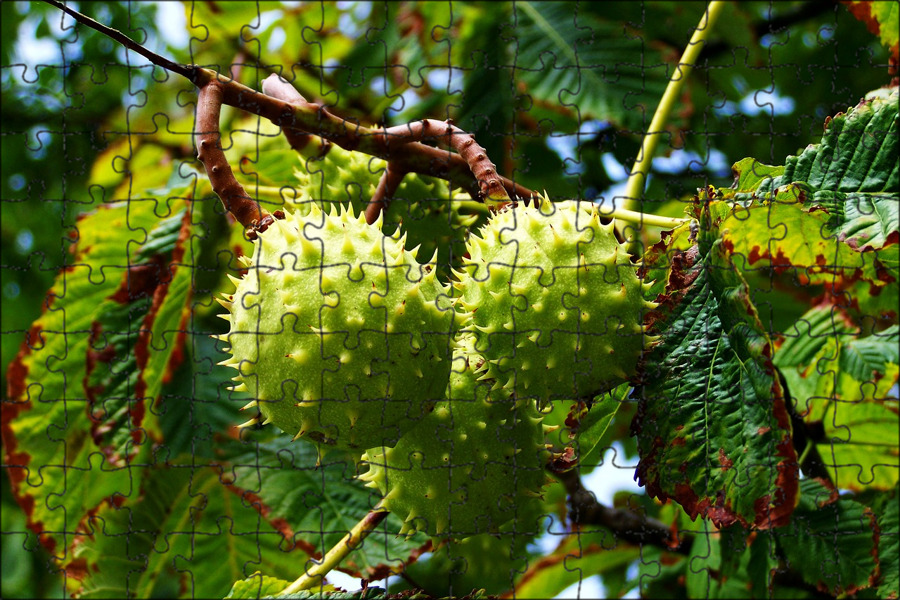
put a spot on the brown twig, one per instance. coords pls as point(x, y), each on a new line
point(275, 86)
point(115, 34)
point(387, 185)
point(297, 116)
point(209, 151)
point(309, 118)
point(482, 168)
point(626, 525)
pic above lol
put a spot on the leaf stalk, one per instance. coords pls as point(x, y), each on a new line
point(638, 177)
point(350, 542)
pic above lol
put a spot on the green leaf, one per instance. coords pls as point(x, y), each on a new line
point(750, 174)
point(170, 542)
point(831, 211)
point(797, 356)
point(831, 542)
point(197, 410)
point(712, 426)
point(569, 57)
point(759, 234)
point(865, 221)
point(257, 586)
point(889, 548)
point(593, 427)
point(867, 358)
point(842, 384)
point(719, 565)
point(577, 557)
point(806, 338)
point(92, 365)
point(321, 502)
point(857, 152)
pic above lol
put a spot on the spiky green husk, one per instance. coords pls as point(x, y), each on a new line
point(422, 207)
point(338, 332)
point(491, 562)
point(339, 177)
point(471, 466)
point(554, 301)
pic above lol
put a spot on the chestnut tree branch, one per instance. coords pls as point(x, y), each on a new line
point(626, 525)
point(275, 86)
point(209, 151)
point(308, 118)
point(387, 185)
point(290, 111)
point(482, 168)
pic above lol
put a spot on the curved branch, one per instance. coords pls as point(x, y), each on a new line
point(296, 116)
point(387, 185)
point(482, 168)
point(209, 151)
point(308, 118)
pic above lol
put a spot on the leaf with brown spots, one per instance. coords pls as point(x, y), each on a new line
point(81, 387)
point(831, 541)
point(712, 426)
point(883, 20)
point(170, 542)
point(320, 503)
point(830, 216)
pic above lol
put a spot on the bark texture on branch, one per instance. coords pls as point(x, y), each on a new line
point(308, 117)
point(484, 171)
point(209, 150)
point(275, 86)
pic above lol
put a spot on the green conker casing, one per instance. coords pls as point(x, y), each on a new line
point(338, 332)
point(472, 466)
point(554, 301)
point(426, 210)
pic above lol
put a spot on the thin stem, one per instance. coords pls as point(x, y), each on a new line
point(637, 180)
point(126, 41)
point(381, 199)
point(640, 218)
point(350, 542)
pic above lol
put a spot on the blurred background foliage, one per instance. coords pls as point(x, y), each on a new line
point(559, 94)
